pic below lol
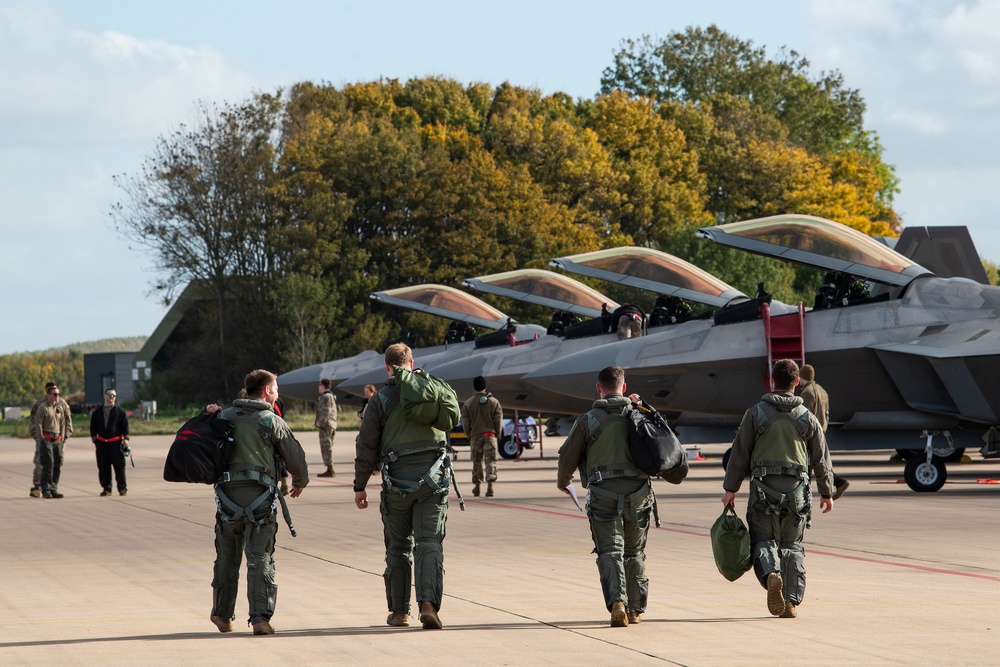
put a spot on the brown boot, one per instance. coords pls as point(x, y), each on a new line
point(328, 472)
point(398, 620)
point(475, 489)
point(634, 617)
point(224, 626)
point(262, 628)
point(775, 598)
point(489, 490)
point(429, 617)
point(791, 611)
point(619, 617)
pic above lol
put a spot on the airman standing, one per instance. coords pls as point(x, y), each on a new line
point(326, 422)
point(482, 419)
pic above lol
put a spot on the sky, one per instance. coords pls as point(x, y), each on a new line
point(89, 85)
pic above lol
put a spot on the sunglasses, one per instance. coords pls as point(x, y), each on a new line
point(53, 393)
point(111, 395)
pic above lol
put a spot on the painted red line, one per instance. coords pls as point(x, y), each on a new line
point(864, 559)
point(911, 566)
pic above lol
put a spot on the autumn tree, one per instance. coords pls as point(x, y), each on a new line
point(203, 206)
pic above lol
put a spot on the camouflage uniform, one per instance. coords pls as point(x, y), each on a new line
point(619, 501)
point(413, 521)
point(256, 535)
point(482, 419)
point(778, 443)
point(326, 422)
point(51, 426)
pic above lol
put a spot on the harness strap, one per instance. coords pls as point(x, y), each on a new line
point(765, 468)
point(632, 498)
point(612, 470)
point(404, 486)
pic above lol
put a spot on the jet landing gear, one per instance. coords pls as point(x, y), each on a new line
point(926, 472)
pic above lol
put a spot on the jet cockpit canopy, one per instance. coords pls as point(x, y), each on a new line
point(818, 243)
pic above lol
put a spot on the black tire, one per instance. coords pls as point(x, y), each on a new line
point(509, 448)
point(925, 477)
point(725, 458)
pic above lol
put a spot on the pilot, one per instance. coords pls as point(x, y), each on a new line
point(777, 445)
point(629, 322)
point(620, 496)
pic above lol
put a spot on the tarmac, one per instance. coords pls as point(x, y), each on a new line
point(894, 577)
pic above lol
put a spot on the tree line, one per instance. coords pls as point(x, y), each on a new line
point(289, 208)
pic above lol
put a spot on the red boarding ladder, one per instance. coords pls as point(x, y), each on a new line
point(785, 336)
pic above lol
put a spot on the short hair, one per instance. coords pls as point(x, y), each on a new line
point(807, 373)
point(479, 383)
point(611, 378)
point(398, 354)
point(50, 385)
point(257, 380)
point(325, 383)
point(785, 373)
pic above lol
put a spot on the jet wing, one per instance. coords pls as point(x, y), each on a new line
point(444, 301)
point(651, 270)
point(544, 288)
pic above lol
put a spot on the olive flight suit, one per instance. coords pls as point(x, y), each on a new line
point(52, 425)
point(246, 518)
point(619, 501)
point(777, 445)
point(416, 473)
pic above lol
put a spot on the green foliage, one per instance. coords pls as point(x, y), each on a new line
point(769, 137)
point(992, 271)
point(289, 211)
point(23, 375)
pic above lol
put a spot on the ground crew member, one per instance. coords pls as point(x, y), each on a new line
point(482, 419)
point(52, 425)
point(817, 401)
point(109, 433)
point(247, 499)
point(777, 445)
point(326, 422)
point(36, 475)
point(416, 472)
point(620, 497)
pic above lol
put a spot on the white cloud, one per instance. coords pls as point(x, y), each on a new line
point(79, 107)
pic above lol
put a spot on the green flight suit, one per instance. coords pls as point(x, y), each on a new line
point(414, 497)
point(777, 445)
point(255, 534)
point(619, 501)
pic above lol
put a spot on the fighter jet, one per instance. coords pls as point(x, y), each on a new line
point(903, 353)
point(664, 274)
point(568, 297)
point(461, 308)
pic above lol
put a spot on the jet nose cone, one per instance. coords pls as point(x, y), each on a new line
point(461, 369)
point(301, 383)
point(355, 385)
point(574, 374)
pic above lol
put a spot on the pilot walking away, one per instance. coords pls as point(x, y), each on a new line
point(777, 445)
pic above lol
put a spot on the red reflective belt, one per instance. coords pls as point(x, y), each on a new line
point(114, 439)
point(488, 434)
point(51, 438)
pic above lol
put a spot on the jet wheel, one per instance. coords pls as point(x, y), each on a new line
point(509, 447)
point(922, 476)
